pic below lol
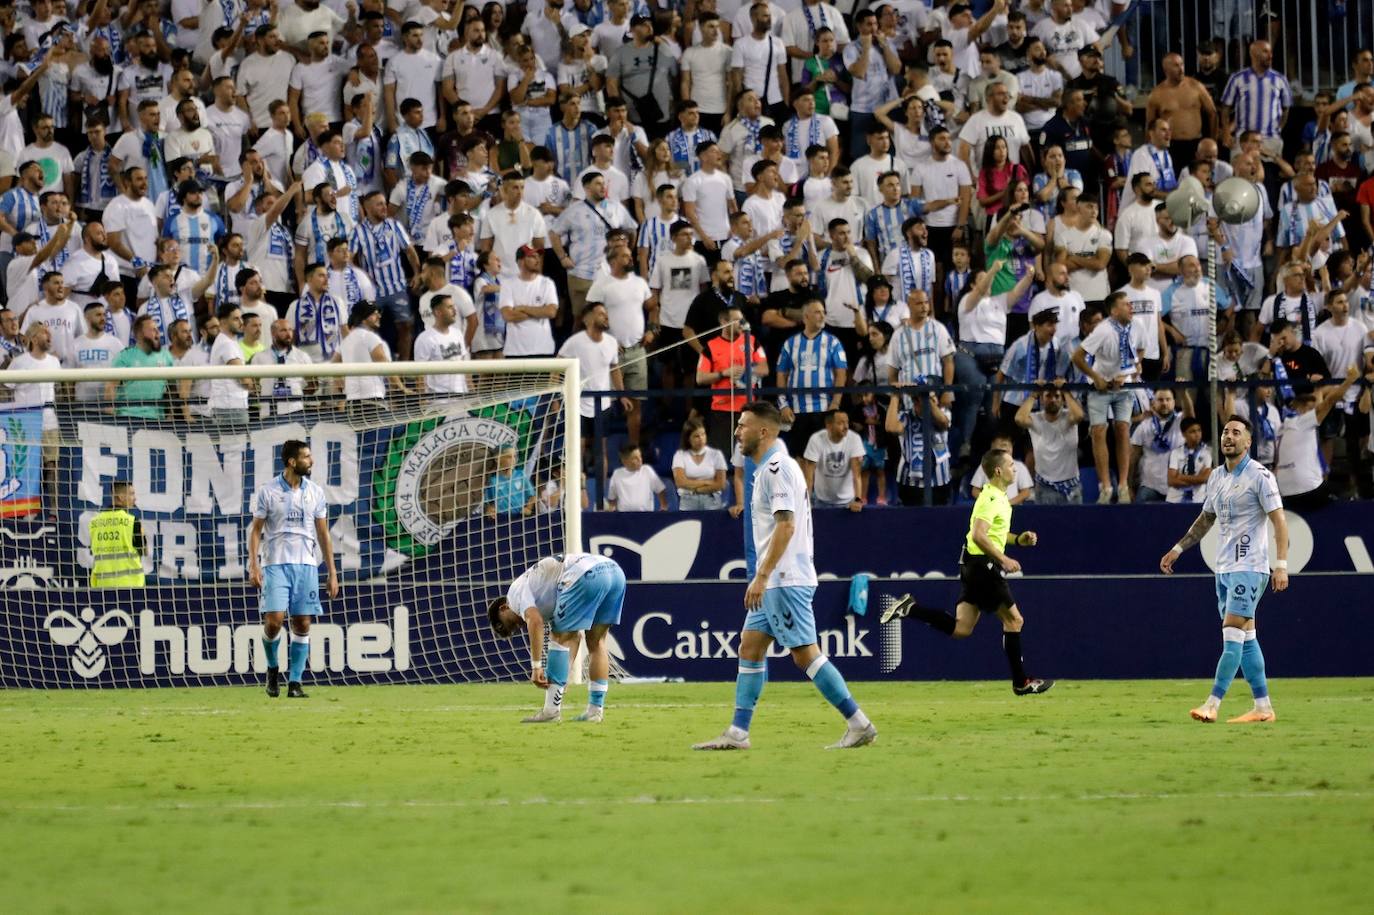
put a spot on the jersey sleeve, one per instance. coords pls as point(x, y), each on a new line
point(783, 489)
point(1269, 497)
point(519, 597)
point(321, 504)
point(260, 505)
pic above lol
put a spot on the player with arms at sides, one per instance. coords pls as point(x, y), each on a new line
point(782, 587)
point(983, 570)
point(290, 523)
point(573, 593)
point(1244, 496)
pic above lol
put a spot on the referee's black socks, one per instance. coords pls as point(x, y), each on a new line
point(935, 619)
point(1011, 643)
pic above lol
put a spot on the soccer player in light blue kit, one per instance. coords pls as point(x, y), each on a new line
point(782, 587)
point(1244, 497)
point(290, 524)
point(573, 594)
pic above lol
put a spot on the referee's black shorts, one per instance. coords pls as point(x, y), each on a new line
point(983, 583)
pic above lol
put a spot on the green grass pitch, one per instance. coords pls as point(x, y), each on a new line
point(1099, 797)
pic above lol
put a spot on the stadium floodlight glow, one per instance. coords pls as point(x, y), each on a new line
point(426, 522)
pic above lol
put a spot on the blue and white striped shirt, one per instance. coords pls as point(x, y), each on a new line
point(381, 248)
point(585, 227)
point(1293, 220)
point(572, 149)
point(21, 208)
point(1019, 366)
point(1258, 100)
point(196, 233)
point(810, 362)
point(654, 235)
point(911, 469)
point(919, 352)
point(883, 224)
point(290, 514)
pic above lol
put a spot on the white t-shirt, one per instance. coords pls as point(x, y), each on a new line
point(1154, 462)
point(634, 492)
point(1166, 250)
point(678, 279)
point(227, 129)
point(1146, 306)
point(711, 194)
point(64, 321)
point(95, 353)
point(866, 170)
point(985, 125)
point(712, 461)
point(1178, 460)
point(358, 347)
point(779, 485)
point(1068, 306)
point(1064, 41)
point(985, 322)
point(509, 229)
point(449, 346)
point(533, 336)
point(321, 86)
point(227, 393)
point(40, 393)
point(55, 160)
point(624, 300)
point(942, 181)
point(414, 76)
point(833, 477)
point(1299, 467)
point(1091, 285)
point(1021, 479)
point(137, 219)
point(1104, 346)
point(710, 68)
point(1056, 446)
point(462, 301)
point(597, 358)
point(1342, 347)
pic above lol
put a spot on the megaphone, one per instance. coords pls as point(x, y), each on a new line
point(1236, 200)
point(1187, 203)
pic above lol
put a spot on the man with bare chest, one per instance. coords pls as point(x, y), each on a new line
point(1185, 103)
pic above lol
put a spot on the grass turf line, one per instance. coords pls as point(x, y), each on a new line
point(1101, 796)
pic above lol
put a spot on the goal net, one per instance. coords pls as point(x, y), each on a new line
point(436, 501)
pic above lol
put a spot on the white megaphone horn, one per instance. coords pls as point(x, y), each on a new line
point(1236, 200)
point(1187, 203)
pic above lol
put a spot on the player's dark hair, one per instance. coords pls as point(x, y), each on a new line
point(291, 449)
point(1233, 418)
point(494, 615)
point(993, 460)
point(765, 411)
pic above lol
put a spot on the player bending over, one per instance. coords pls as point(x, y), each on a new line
point(1244, 496)
point(782, 588)
point(290, 523)
point(575, 593)
point(983, 570)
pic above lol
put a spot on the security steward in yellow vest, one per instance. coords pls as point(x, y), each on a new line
point(117, 543)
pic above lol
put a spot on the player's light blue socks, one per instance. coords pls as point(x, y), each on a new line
point(1252, 665)
point(1232, 640)
point(748, 687)
point(557, 670)
point(596, 693)
point(269, 649)
point(830, 682)
point(297, 652)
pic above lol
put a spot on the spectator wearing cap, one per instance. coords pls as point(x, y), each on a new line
point(583, 227)
point(529, 303)
point(645, 73)
point(195, 229)
point(366, 394)
point(1107, 105)
point(511, 224)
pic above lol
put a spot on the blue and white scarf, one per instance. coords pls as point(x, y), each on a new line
point(1164, 168)
point(318, 321)
point(906, 271)
point(417, 199)
point(1033, 361)
point(179, 312)
point(318, 235)
point(353, 290)
point(493, 322)
point(811, 23)
point(1123, 343)
point(794, 149)
point(1162, 434)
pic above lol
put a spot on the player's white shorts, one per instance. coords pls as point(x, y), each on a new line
point(293, 589)
point(786, 615)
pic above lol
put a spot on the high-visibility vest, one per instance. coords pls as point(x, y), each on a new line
point(117, 563)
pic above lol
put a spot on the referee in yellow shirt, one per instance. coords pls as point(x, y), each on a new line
point(983, 570)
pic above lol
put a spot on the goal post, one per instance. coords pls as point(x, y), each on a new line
point(437, 499)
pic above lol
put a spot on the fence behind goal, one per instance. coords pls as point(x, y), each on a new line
point(436, 501)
